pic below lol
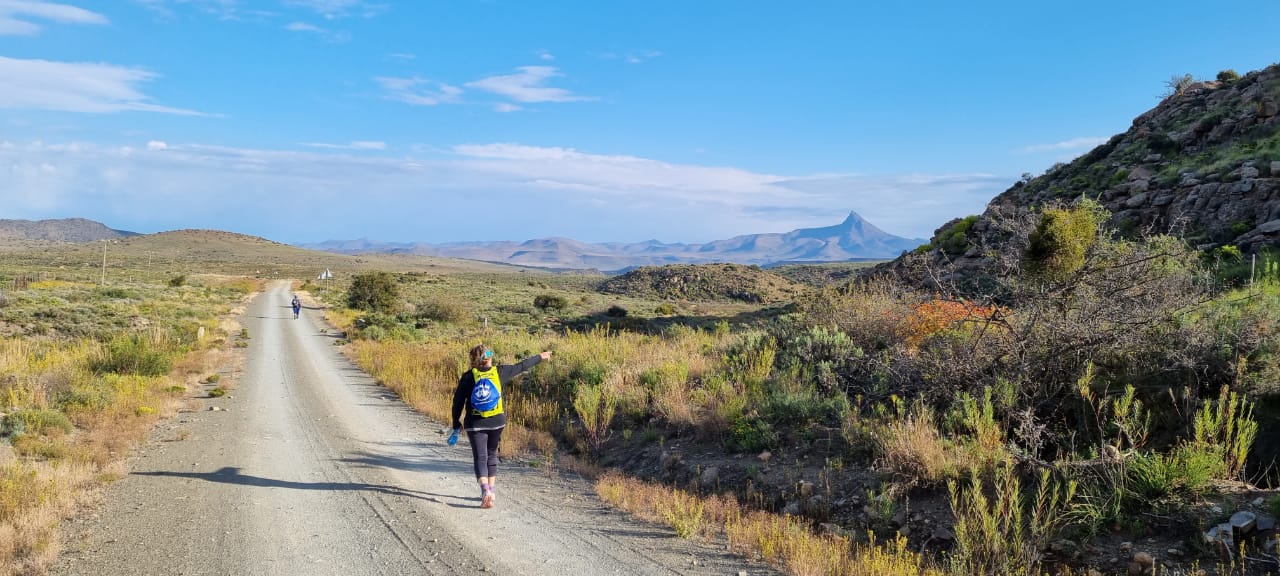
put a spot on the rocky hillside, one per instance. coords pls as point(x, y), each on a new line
point(730, 282)
point(64, 230)
point(1204, 164)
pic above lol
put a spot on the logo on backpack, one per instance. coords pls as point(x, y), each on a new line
point(486, 396)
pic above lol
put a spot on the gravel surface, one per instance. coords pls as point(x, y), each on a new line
point(309, 467)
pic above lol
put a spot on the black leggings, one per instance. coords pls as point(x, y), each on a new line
point(484, 451)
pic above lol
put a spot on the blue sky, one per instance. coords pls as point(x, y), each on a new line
point(307, 120)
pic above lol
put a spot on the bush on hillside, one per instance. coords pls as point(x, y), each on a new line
point(135, 354)
point(1227, 76)
point(955, 241)
point(442, 309)
point(616, 311)
point(1062, 238)
point(547, 302)
point(33, 421)
point(373, 292)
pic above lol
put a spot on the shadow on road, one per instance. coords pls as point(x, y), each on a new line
point(232, 475)
point(372, 460)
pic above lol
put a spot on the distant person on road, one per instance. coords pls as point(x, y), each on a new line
point(297, 306)
point(479, 395)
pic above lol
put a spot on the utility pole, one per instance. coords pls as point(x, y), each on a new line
point(104, 263)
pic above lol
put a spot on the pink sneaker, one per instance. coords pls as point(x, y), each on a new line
point(487, 501)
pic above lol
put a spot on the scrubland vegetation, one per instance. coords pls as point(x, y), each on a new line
point(85, 371)
point(1084, 387)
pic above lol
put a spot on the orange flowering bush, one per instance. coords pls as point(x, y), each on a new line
point(941, 314)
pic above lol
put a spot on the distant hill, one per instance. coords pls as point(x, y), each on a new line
point(63, 230)
point(731, 282)
point(852, 239)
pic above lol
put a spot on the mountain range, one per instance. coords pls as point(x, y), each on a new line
point(63, 230)
point(852, 239)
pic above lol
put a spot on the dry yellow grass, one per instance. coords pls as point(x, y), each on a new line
point(780, 540)
point(48, 471)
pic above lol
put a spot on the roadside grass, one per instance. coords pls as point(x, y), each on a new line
point(81, 390)
point(784, 541)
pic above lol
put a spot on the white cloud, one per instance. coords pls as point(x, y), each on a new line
point(335, 37)
point(15, 16)
point(75, 87)
point(223, 9)
point(1082, 142)
point(631, 57)
point(356, 145)
point(156, 145)
point(403, 56)
point(507, 107)
point(333, 9)
point(642, 55)
point(527, 85)
point(544, 55)
point(575, 193)
point(302, 27)
point(418, 91)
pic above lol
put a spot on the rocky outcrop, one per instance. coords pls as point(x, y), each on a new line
point(1204, 164)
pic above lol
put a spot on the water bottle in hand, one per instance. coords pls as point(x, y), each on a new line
point(453, 438)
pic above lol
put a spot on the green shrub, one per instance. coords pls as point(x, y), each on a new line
point(442, 309)
point(828, 358)
point(1189, 468)
point(33, 421)
point(664, 310)
point(217, 392)
point(1063, 237)
point(117, 293)
point(547, 302)
point(134, 354)
point(95, 398)
point(179, 280)
point(800, 409)
point(616, 311)
point(750, 434)
point(1228, 76)
point(954, 240)
point(373, 292)
point(596, 408)
point(213, 378)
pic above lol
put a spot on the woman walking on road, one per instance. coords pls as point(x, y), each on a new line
point(479, 394)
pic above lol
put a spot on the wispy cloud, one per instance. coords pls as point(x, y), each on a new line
point(223, 9)
point(582, 194)
point(546, 56)
point(507, 107)
point(357, 145)
point(528, 86)
point(402, 56)
point(630, 57)
point(76, 87)
point(332, 36)
point(16, 16)
point(333, 9)
point(1082, 142)
point(418, 91)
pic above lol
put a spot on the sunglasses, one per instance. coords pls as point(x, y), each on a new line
point(488, 353)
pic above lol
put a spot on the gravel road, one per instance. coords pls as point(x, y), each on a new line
point(309, 467)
